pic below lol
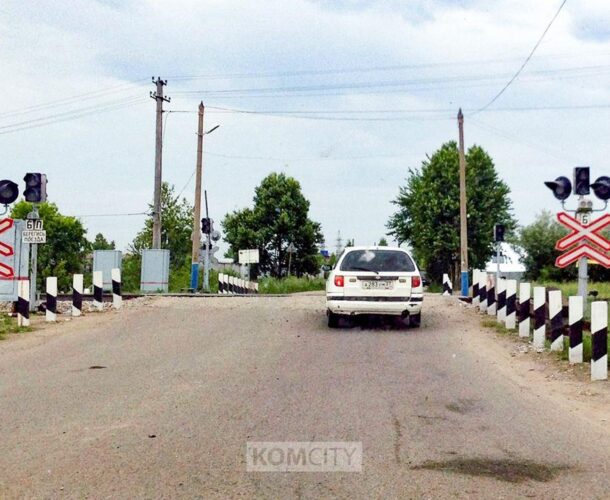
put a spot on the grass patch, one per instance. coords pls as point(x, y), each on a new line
point(290, 284)
point(493, 324)
point(571, 287)
point(9, 325)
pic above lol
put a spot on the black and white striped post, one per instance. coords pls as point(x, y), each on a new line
point(117, 297)
point(51, 302)
point(491, 296)
point(98, 286)
point(475, 287)
point(556, 320)
point(575, 319)
point(23, 303)
point(231, 285)
point(447, 285)
point(539, 317)
point(483, 291)
point(525, 294)
point(220, 284)
point(77, 294)
point(255, 287)
point(599, 340)
point(510, 321)
point(501, 317)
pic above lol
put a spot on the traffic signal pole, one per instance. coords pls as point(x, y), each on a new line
point(197, 208)
point(463, 215)
point(33, 261)
point(206, 263)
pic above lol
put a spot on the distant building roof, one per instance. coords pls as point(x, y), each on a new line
point(509, 261)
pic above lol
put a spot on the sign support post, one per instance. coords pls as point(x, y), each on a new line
point(33, 215)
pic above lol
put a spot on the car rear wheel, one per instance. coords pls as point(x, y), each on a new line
point(333, 320)
point(415, 320)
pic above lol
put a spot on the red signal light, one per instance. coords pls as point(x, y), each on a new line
point(339, 281)
point(415, 281)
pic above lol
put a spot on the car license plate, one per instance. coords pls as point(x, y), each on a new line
point(377, 285)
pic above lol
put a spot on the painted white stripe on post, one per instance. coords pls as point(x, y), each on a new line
point(525, 294)
point(483, 291)
point(575, 317)
point(539, 317)
point(98, 283)
point(510, 320)
point(501, 285)
point(599, 340)
point(255, 287)
point(491, 295)
point(77, 294)
point(556, 319)
point(117, 297)
point(51, 292)
point(23, 303)
point(475, 287)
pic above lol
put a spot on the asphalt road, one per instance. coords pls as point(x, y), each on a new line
point(182, 384)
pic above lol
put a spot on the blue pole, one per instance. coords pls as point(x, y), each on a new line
point(194, 276)
point(464, 283)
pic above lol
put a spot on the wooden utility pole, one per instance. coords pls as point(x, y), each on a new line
point(197, 208)
point(463, 214)
point(158, 96)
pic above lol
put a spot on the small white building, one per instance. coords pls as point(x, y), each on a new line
point(510, 265)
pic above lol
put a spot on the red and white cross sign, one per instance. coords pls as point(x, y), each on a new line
point(6, 250)
point(582, 235)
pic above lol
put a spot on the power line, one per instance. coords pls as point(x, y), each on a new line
point(72, 99)
point(578, 71)
point(70, 115)
point(514, 77)
point(111, 215)
point(358, 69)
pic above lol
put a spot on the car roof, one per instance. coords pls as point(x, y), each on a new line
point(371, 247)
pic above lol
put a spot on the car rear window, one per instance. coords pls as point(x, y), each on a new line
point(377, 261)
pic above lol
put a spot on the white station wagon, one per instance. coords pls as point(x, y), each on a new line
point(374, 280)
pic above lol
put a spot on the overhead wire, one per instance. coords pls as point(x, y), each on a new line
point(527, 59)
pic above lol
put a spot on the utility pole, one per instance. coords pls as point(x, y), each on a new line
point(197, 208)
point(463, 215)
point(158, 96)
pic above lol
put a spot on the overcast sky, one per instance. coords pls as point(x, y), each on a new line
point(363, 89)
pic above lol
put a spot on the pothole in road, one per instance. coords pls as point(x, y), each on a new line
point(510, 470)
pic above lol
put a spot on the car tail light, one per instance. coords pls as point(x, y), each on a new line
point(339, 281)
point(415, 281)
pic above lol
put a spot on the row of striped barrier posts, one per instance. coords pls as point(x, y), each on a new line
point(519, 317)
point(77, 293)
point(231, 285)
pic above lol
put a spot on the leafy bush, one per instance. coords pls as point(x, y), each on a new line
point(290, 284)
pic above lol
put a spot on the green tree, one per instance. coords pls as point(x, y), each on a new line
point(176, 228)
point(101, 243)
point(535, 244)
point(429, 208)
point(65, 251)
point(382, 242)
point(279, 217)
